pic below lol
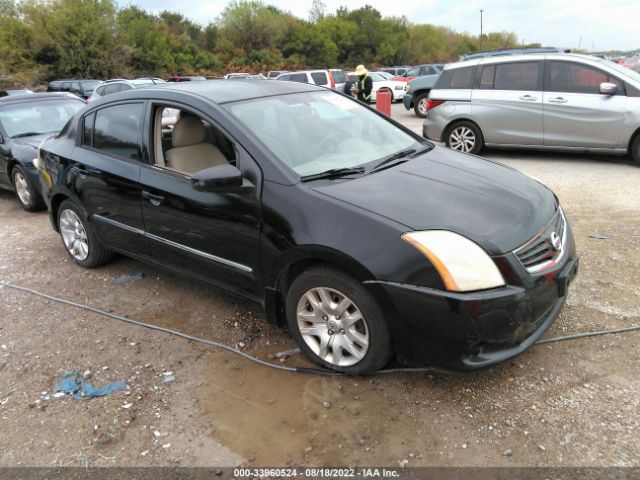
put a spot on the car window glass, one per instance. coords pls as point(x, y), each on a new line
point(298, 77)
point(117, 130)
point(319, 78)
point(401, 71)
point(456, 78)
point(87, 135)
point(576, 78)
point(426, 70)
point(517, 76)
point(488, 75)
point(110, 89)
point(414, 72)
point(185, 142)
point(339, 76)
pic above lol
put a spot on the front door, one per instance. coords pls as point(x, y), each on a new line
point(214, 236)
point(575, 113)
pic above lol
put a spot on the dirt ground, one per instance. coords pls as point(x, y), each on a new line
point(564, 404)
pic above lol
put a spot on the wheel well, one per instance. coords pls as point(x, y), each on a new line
point(10, 166)
point(458, 120)
point(276, 311)
point(55, 205)
point(417, 94)
point(633, 139)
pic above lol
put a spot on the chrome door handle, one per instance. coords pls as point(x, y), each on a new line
point(558, 100)
point(528, 98)
point(155, 200)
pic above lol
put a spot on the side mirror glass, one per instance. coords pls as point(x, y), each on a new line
point(608, 88)
point(216, 178)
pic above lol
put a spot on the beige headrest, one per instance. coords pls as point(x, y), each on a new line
point(187, 131)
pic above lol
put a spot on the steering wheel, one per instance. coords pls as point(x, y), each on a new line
point(329, 146)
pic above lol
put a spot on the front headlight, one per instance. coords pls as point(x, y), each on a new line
point(407, 89)
point(462, 264)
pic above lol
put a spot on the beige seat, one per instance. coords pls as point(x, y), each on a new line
point(189, 153)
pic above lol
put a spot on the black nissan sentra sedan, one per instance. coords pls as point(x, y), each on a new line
point(25, 121)
point(371, 243)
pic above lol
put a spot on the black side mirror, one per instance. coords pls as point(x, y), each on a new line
point(216, 178)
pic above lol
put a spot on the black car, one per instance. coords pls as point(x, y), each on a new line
point(371, 243)
point(25, 121)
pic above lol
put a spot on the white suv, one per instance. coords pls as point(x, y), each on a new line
point(334, 79)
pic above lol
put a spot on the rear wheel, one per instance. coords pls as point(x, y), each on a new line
point(79, 238)
point(420, 105)
point(336, 322)
point(464, 137)
point(28, 196)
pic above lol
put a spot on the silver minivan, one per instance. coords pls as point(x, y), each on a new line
point(537, 101)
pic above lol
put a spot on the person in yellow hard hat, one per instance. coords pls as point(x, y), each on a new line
point(364, 86)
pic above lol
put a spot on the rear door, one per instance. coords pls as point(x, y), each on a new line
point(507, 103)
point(106, 172)
point(576, 114)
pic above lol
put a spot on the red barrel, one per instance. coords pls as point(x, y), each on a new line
point(383, 102)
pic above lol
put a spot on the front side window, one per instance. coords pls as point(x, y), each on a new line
point(187, 143)
point(576, 78)
point(324, 131)
point(517, 76)
point(117, 131)
point(35, 118)
point(414, 72)
point(339, 76)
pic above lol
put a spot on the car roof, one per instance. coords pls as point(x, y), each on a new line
point(221, 91)
point(37, 97)
point(523, 58)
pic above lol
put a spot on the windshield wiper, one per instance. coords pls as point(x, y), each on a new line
point(26, 134)
point(396, 156)
point(333, 173)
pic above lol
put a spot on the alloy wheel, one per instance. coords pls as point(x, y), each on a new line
point(462, 139)
point(333, 326)
point(74, 235)
point(22, 188)
point(422, 106)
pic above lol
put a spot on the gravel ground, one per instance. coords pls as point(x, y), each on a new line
point(566, 404)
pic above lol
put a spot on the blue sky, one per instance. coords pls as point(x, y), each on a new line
point(602, 24)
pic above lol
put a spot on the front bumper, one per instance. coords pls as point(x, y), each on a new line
point(463, 332)
point(407, 100)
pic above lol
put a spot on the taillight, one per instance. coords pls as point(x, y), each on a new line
point(332, 81)
point(434, 103)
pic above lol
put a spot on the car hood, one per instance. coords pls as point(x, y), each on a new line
point(32, 141)
point(487, 202)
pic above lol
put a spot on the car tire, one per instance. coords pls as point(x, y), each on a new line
point(319, 303)
point(28, 196)
point(420, 105)
point(79, 238)
point(635, 151)
point(464, 137)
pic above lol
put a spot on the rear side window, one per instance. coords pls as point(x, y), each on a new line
point(456, 78)
point(113, 88)
point(319, 78)
point(576, 78)
point(117, 131)
point(517, 76)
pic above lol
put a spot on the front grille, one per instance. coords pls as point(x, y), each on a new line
point(547, 247)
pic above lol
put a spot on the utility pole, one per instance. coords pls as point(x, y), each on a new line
point(481, 28)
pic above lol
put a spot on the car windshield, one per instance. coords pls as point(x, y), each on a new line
point(323, 131)
point(35, 118)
